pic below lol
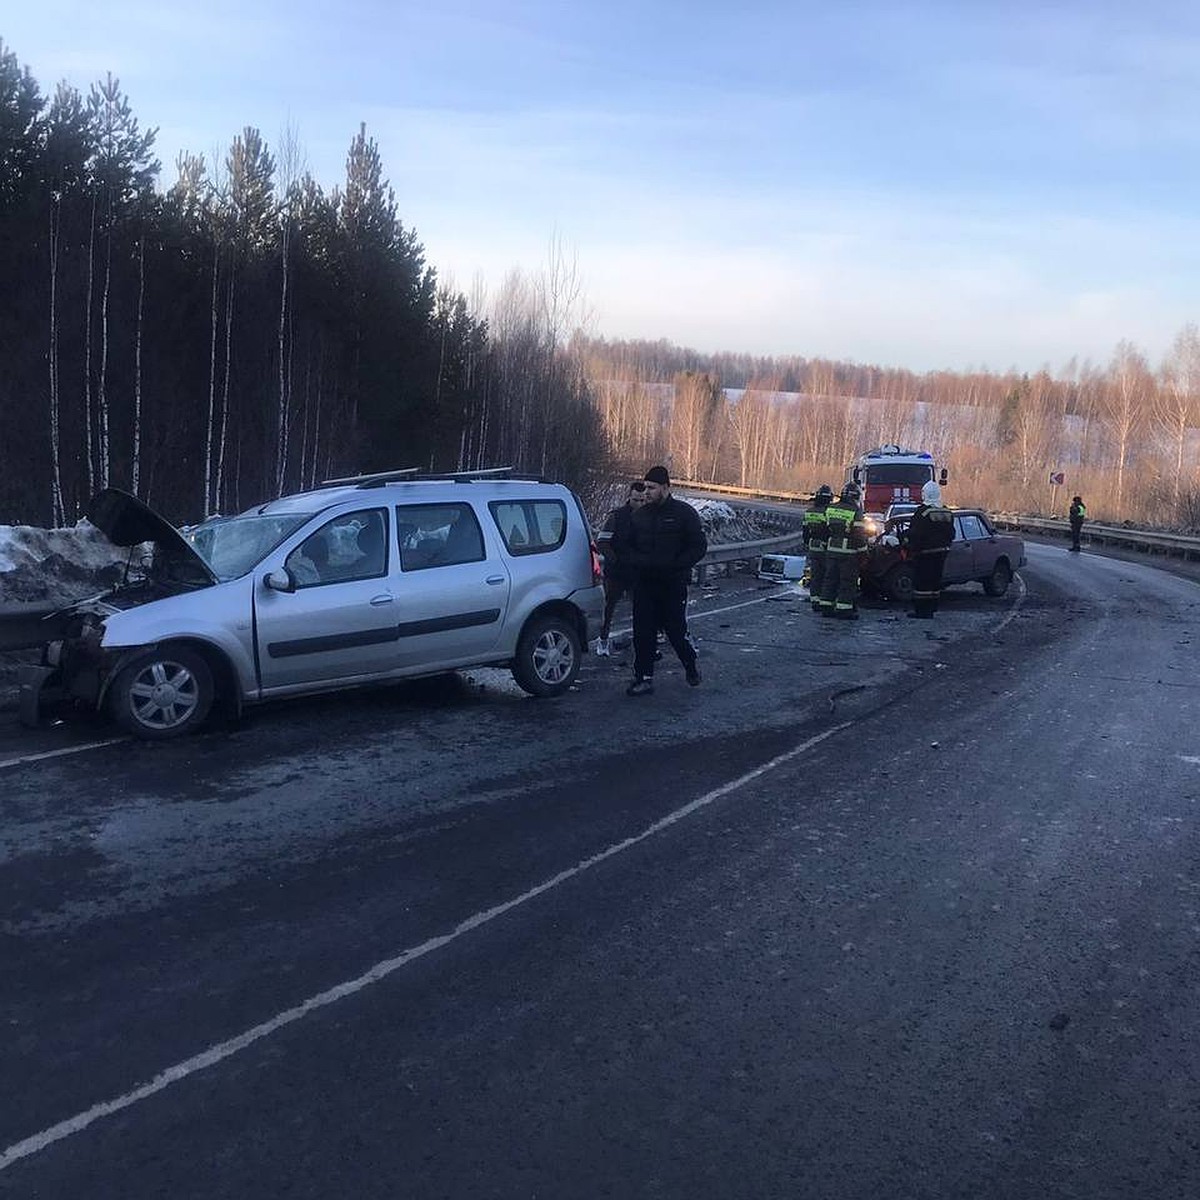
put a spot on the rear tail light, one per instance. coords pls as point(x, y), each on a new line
point(597, 567)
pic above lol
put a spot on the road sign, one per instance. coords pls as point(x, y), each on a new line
point(1058, 478)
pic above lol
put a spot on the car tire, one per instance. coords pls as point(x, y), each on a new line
point(996, 584)
point(548, 656)
point(898, 582)
point(163, 693)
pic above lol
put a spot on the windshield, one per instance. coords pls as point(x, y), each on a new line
point(232, 546)
point(894, 474)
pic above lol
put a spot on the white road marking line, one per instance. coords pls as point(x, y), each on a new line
point(1189, 758)
point(381, 970)
point(712, 612)
point(1016, 605)
point(29, 758)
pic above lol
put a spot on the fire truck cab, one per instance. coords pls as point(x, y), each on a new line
point(889, 474)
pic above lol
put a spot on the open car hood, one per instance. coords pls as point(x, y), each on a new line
point(126, 521)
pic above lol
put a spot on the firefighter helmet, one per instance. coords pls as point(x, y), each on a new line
point(851, 493)
point(823, 496)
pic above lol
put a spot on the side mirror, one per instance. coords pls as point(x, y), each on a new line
point(945, 476)
point(856, 475)
point(280, 581)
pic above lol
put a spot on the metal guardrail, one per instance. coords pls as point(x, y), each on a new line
point(21, 625)
point(1150, 541)
point(749, 493)
point(744, 551)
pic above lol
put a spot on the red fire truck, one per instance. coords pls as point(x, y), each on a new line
point(890, 474)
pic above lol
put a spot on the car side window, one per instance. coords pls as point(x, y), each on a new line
point(972, 528)
point(530, 526)
point(438, 535)
point(351, 546)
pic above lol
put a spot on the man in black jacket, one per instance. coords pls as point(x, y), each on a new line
point(617, 577)
point(663, 541)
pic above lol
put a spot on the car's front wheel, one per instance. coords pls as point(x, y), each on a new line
point(163, 693)
point(996, 584)
point(548, 656)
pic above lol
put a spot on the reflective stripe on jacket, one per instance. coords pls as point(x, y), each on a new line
point(847, 531)
point(930, 531)
point(816, 529)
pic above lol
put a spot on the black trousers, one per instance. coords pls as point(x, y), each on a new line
point(659, 604)
point(614, 589)
point(927, 582)
point(1076, 530)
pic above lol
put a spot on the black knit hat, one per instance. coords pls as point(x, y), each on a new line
point(658, 475)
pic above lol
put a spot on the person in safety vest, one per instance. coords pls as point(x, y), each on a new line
point(815, 534)
point(926, 542)
point(1077, 514)
point(846, 538)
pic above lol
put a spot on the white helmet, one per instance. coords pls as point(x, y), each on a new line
point(931, 494)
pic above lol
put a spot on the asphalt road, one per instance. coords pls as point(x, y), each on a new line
point(872, 913)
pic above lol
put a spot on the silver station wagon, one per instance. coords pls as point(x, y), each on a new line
point(365, 579)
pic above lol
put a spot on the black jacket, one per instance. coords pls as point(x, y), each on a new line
point(612, 536)
point(930, 531)
point(662, 542)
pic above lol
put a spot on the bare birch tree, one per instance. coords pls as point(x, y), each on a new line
point(291, 166)
point(1126, 402)
point(1177, 401)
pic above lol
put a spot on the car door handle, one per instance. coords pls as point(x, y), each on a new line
point(376, 601)
point(494, 579)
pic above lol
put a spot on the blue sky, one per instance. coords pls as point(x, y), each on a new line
point(920, 184)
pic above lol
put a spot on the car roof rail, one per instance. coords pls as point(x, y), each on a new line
point(375, 478)
point(467, 476)
point(416, 475)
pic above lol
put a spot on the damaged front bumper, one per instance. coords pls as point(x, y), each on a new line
point(74, 668)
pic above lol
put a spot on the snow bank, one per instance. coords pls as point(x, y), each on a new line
point(57, 565)
point(723, 523)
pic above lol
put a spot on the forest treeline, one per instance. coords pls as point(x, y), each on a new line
point(1123, 434)
point(236, 332)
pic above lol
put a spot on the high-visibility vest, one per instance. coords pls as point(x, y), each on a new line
point(847, 535)
point(816, 528)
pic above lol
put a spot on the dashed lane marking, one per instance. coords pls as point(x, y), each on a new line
point(30, 758)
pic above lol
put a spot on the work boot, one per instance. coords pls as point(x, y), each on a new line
point(640, 687)
point(693, 675)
